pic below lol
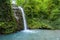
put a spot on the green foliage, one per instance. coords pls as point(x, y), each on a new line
point(7, 20)
point(41, 13)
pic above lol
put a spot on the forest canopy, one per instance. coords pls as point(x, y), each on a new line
point(41, 13)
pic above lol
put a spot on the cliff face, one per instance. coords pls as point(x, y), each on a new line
point(18, 16)
point(8, 23)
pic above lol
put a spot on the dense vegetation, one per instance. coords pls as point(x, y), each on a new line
point(41, 13)
point(7, 20)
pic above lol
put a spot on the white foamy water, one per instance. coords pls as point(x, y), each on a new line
point(24, 19)
point(13, 1)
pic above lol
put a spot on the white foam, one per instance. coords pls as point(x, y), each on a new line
point(28, 31)
point(13, 1)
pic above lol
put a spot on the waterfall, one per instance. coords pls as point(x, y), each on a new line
point(24, 19)
point(23, 15)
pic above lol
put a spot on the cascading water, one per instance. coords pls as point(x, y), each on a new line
point(24, 19)
point(23, 15)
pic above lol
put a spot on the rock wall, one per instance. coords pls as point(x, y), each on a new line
point(18, 14)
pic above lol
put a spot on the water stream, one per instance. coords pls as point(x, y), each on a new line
point(24, 19)
point(23, 15)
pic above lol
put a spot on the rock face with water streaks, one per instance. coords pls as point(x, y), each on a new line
point(18, 16)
